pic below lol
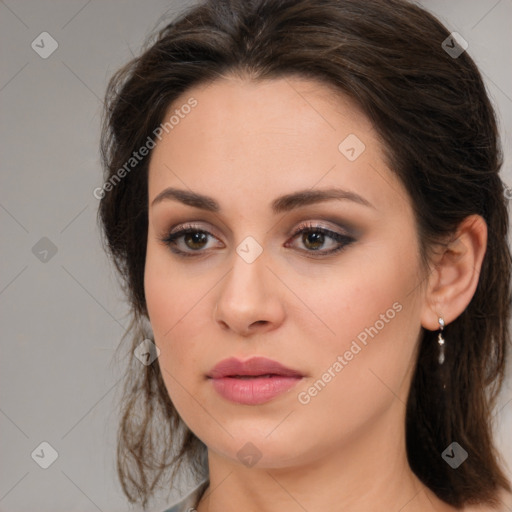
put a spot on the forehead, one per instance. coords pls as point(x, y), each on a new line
point(268, 137)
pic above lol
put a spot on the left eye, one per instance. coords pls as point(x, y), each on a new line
point(313, 238)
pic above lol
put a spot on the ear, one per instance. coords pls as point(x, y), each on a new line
point(455, 273)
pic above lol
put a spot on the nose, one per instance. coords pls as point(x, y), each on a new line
point(249, 299)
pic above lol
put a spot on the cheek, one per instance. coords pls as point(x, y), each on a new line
point(172, 316)
point(361, 369)
point(367, 287)
point(168, 301)
point(170, 291)
point(369, 311)
point(159, 298)
point(179, 316)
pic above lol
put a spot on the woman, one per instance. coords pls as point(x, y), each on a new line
point(303, 199)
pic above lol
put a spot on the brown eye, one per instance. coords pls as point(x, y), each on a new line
point(315, 238)
point(188, 241)
point(195, 239)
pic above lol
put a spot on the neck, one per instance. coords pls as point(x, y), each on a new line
point(368, 472)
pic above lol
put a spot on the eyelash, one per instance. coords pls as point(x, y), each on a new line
point(344, 240)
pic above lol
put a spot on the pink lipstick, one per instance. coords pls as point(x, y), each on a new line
point(252, 382)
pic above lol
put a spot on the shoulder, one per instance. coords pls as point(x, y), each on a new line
point(190, 502)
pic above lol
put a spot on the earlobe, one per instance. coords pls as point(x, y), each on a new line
point(456, 272)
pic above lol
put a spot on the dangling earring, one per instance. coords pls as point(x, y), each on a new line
point(440, 341)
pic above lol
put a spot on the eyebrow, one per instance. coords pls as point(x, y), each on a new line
point(282, 204)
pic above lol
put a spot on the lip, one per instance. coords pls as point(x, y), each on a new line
point(252, 382)
point(255, 366)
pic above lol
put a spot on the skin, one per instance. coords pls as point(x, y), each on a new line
point(245, 144)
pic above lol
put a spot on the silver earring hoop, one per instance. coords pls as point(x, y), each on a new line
point(441, 341)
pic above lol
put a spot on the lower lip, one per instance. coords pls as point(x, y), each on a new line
point(254, 391)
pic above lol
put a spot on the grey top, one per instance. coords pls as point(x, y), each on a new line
point(190, 502)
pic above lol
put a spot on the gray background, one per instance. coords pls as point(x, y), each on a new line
point(61, 319)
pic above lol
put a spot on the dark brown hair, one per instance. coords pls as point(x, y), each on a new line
point(439, 130)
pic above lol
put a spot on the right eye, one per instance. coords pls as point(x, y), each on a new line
point(188, 237)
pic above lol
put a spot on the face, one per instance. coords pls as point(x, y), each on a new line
point(326, 285)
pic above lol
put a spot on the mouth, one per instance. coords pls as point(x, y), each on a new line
point(245, 377)
point(253, 367)
point(253, 382)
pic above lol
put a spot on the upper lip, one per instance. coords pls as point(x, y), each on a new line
point(254, 366)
